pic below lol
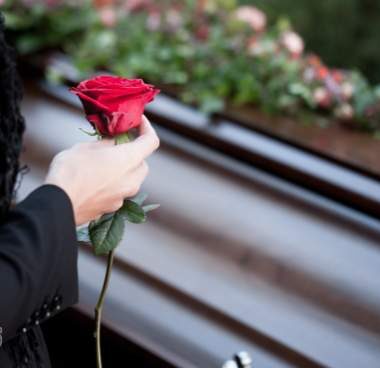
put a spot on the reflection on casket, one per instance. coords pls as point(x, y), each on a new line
point(235, 259)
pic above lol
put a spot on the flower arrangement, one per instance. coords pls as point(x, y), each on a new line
point(211, 53)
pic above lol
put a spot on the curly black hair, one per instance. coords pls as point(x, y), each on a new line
point(12, 124)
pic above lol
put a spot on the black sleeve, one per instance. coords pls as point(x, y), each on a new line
point(38, 260)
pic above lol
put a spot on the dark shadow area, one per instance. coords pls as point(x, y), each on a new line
point(71, 344)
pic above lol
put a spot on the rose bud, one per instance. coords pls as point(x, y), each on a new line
point(114, 105)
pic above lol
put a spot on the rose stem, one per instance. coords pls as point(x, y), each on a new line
point(99, 308)
point(122, 138)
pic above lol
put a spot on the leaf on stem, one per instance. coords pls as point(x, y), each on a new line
point(150, 207)
point(140, 198)
point(107, 232)
point(133, 212)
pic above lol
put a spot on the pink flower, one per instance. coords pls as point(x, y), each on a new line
point(108, 16)
point(253, 16)
point(322, 97)
point(293, 43)
point(153, 22)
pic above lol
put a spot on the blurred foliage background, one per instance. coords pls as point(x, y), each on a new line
point(345, 33)
point(217, 54)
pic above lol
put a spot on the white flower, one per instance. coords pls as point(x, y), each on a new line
point(322, 97)
point(345, 112)
point(347, 90)
point(253, 16)
point(293, 42)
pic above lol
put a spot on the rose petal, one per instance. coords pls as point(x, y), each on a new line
point(90, 105)
point(123, 121)
point(97, 121)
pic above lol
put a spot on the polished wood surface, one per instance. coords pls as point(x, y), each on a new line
point(234, 260)
point(333, 140)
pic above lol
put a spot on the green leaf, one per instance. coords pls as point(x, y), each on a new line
point(133, 212)
point(140, 198)
point(107, 232)
point(150, 207)
point(83, 235)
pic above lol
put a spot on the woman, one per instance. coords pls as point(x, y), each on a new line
point(38, 247)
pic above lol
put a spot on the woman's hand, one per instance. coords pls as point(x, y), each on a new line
point(98, 176)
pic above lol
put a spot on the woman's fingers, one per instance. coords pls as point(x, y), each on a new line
point(135, 152)
point(128, 158)
point(134, 180)
point(147, 142)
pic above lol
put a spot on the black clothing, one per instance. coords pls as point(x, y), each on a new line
point(38, 273)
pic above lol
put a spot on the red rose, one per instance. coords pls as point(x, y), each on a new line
point(114, 105)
